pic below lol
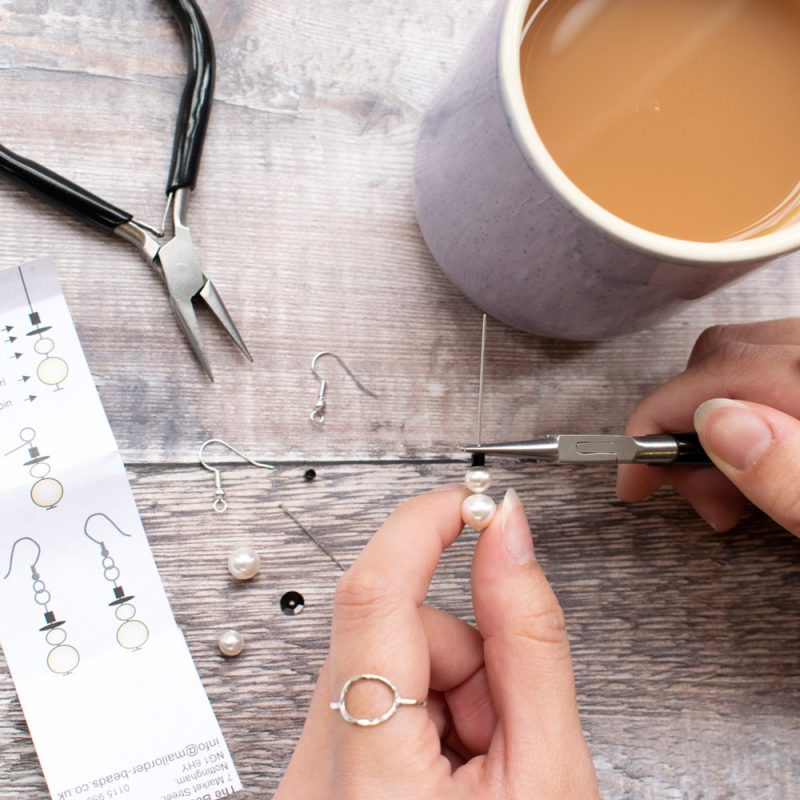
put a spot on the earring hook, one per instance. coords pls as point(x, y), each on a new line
point(220, 504)
point(318, 414)
point(13, 550)
point(107, 519)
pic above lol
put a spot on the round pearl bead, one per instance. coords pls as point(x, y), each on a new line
point(244, 563)
point(478, 511)
point(231, 643)
point(478, 480)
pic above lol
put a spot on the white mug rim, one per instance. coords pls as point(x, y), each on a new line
point(761, 248)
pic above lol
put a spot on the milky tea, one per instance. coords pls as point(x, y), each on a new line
point(679, 116)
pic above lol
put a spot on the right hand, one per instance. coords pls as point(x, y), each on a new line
point(501, 720)
point(741, 392)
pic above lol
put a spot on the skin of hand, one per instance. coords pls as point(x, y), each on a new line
point(501, 719)
point(739, 391)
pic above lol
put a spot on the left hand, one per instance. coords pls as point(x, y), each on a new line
point(501, 720)
point(754, 441)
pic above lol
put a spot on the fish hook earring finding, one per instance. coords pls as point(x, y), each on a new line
point(220, 503)
point(318, 414)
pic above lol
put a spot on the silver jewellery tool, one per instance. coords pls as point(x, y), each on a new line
point(220, 503)
point(340, 705)
point(657, 450)
point(318, 414)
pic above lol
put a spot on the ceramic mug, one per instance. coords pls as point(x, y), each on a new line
point(521, 240)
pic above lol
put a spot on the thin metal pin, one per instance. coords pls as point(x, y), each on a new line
point(480, 380)
point(311, 536)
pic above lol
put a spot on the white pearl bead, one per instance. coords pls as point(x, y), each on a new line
point(231, 643)
point(478, 511)
point(478, 480)
point(244, 563)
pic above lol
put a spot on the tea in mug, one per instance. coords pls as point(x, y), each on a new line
point(679, 116)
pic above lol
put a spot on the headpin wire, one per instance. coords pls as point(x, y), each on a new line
point(478, 459)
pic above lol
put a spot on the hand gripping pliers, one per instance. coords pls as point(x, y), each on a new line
point(175, 259)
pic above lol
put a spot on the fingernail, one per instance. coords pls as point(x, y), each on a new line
point(733, 432)
point(516, 531)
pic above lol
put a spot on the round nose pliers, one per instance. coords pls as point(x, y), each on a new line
point(174, 259)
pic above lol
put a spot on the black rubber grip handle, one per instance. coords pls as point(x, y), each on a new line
point(690, 451)
point(50, 186)
point(198, 94)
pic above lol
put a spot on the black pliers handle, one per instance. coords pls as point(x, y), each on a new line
point(198, 94)
point(176, 259)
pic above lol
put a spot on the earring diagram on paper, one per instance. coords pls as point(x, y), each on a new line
point(28, 340)
point(132, 633)
point(63, 658)
point(46, 491)
point(86, 627)
point(51, 370)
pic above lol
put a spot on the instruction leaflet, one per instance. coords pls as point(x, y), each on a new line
point(112, 697)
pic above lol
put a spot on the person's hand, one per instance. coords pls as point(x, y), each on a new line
point(740, 392)
point(501, 719)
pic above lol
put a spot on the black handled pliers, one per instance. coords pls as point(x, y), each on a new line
point(174, 259)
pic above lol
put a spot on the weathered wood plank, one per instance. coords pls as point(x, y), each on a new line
point(686, 643)
point(305, 222)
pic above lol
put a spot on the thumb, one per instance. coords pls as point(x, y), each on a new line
point(758, 449)
point(528, 664)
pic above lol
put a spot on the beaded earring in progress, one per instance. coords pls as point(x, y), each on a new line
point(478, 510)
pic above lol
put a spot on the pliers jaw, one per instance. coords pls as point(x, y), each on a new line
point(176, 262)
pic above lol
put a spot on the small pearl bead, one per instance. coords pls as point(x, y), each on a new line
point(478, 480)
point(231, 643)
point(478, 511)
point(244, 563)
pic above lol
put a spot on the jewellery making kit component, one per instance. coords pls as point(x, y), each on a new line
point(175, 259)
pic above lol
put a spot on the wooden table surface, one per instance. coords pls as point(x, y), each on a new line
point(687, 644)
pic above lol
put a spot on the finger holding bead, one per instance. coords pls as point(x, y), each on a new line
point(378, 629)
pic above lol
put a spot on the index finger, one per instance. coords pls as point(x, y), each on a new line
point(378, 630)
point(407, 547)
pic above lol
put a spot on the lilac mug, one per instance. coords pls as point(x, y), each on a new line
point(521, 240)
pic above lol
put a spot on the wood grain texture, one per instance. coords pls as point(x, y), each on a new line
point(305, 222)
point(687, 645)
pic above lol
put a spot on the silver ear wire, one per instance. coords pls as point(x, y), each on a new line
point(220, 504)
point(318, 414)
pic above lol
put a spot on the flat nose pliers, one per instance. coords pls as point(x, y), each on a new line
point(174, 259)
